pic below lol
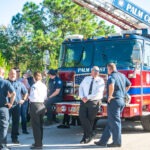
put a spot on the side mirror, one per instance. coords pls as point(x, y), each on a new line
point(137, 54)
point(148, 58)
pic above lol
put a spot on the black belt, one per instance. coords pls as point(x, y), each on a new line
point(98, 102)
point(94, 100)
point(5, 106)
point(36, 102)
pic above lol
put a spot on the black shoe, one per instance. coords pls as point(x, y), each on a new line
point(15, 141)
point(62, 126)
point(36, 147)
point(88, 140)
point(100, 144)
point(25, 132)
point(113, 145)
point(82, 141)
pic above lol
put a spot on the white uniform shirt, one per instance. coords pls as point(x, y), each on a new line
point(97, 88)
point(38, 92)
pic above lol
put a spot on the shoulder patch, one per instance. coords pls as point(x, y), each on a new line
point(59, 82)
point(109, 77)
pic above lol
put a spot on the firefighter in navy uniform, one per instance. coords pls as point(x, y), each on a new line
point(55, 91)
point(21, 96)
point(5, 105)
point(117, 85)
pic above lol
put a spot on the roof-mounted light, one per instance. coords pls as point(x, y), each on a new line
point(115, 34)
point(138, 32)
point(74, 37)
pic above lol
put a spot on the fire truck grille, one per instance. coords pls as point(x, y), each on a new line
point(79, 78)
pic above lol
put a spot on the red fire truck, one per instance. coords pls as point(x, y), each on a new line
point(130, 50)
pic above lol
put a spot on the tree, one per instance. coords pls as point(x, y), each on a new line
point(4, 64)
point(44, 26)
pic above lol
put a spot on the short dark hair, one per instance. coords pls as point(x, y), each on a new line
point(52, 72)
point(37, 76)
point(112, 66)
point(17, 69)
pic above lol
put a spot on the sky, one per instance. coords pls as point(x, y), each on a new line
point(9, 8)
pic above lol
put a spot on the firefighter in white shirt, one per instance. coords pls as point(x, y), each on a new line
point(91, 92)
point(38, 95)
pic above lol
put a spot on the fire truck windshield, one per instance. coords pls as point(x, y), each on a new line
point(100, 53)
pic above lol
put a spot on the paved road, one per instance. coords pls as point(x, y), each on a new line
point(134, 138)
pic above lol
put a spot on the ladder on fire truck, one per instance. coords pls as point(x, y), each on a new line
point(121, 13)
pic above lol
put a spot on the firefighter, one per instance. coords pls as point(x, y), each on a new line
point(55, 92)
point(117, 86)
point(5, 105)
point(21, 96)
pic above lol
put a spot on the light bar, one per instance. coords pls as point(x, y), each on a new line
point(115, 34)
point(74, 36)
point(139, 32)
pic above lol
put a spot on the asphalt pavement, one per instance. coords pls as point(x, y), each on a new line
point(133, 137)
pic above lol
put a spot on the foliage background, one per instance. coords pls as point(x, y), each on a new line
point(44, 27)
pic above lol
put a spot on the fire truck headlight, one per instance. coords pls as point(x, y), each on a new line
point(68, 91)
point(69, 84)
point(131, 75)
point(63, 108)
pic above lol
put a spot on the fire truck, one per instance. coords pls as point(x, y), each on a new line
point(130, 50)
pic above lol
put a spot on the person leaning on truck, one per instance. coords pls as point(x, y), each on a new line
point(117, 86)
point(55, 92)
point(91, 92)
point(5, 105)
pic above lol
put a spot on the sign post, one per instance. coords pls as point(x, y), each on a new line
point(46, 58)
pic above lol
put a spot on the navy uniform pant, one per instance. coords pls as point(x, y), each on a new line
point(4, 123)
point(87, 115)
point(23, 113)
point(114, 109)
point(15, 114)
point(49, 107)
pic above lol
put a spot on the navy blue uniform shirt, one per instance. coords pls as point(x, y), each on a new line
point(119, 90)
point(5, 87)
point(30, 81)
point(20, 90)
point(54, 84)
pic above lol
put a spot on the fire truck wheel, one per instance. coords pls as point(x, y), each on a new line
point(145, 121)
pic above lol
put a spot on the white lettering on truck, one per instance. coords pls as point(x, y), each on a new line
point(134, 11)
point(83, 69)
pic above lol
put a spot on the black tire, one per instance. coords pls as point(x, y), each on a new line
point(145, 121)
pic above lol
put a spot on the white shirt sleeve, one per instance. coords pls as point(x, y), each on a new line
point(33, 93)
point(45, 94)
point(81, 90)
